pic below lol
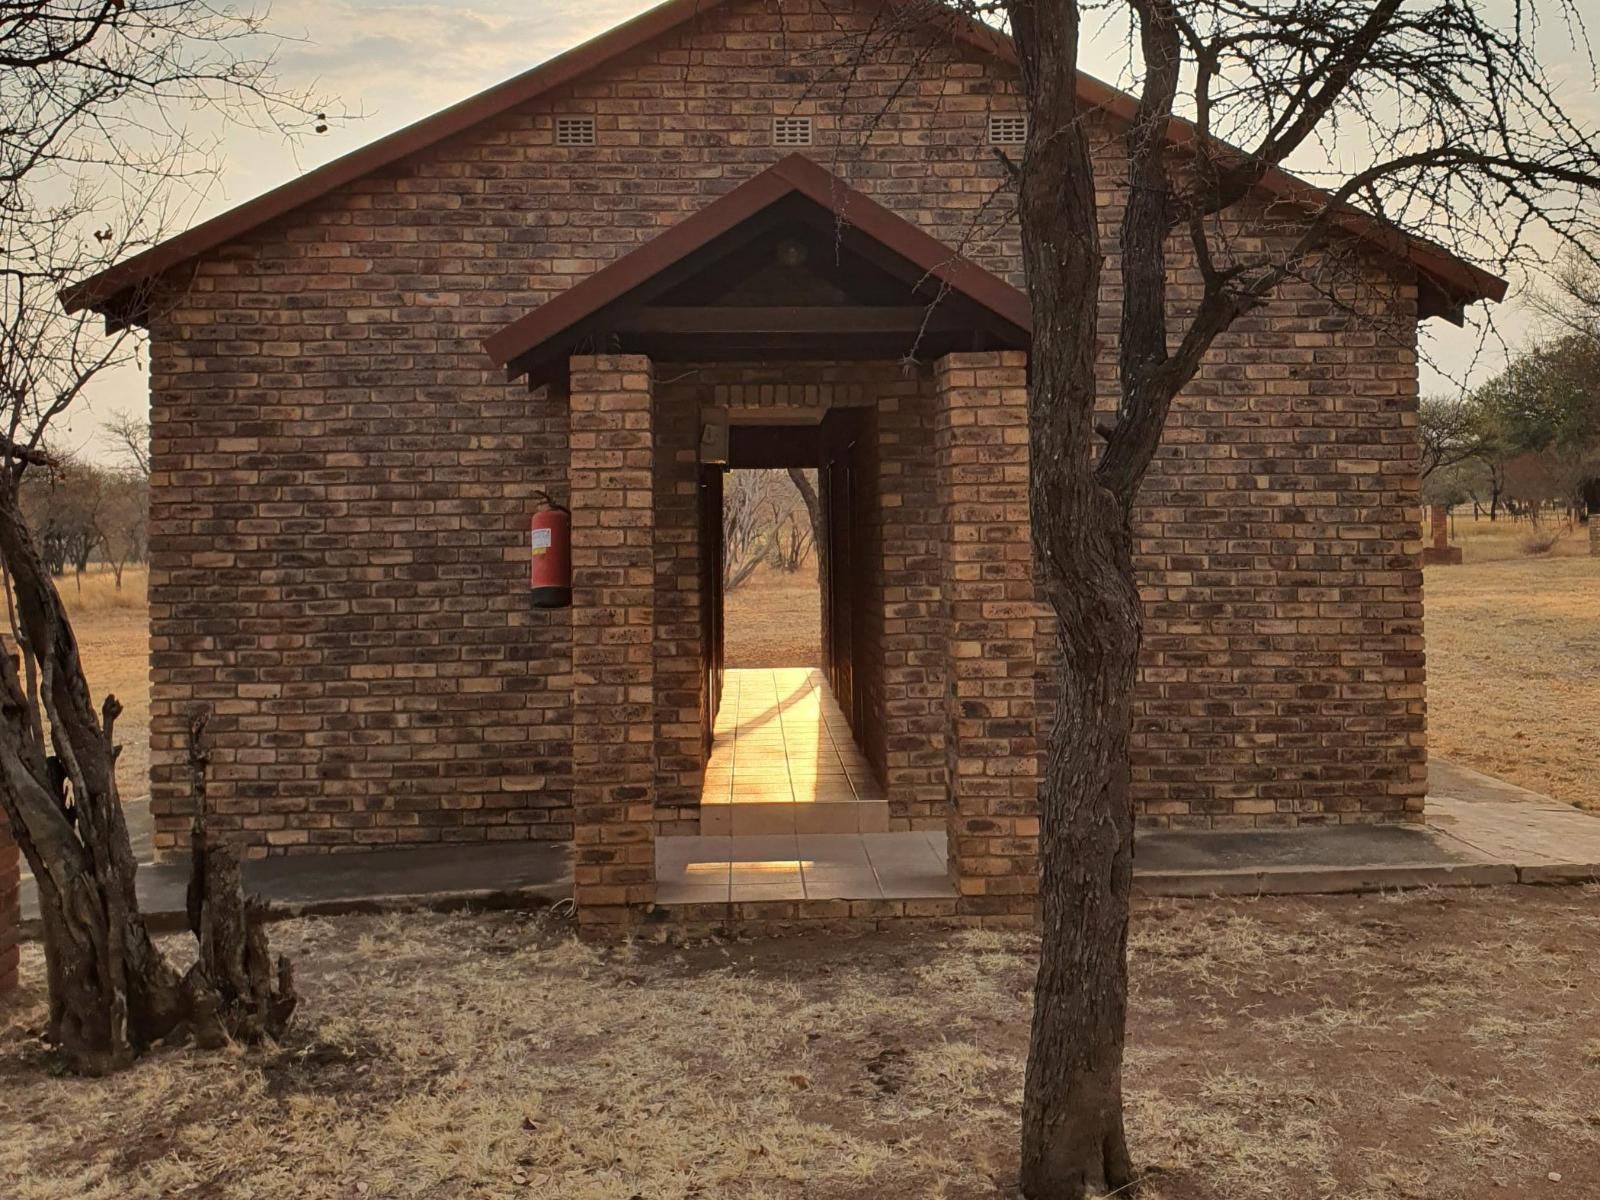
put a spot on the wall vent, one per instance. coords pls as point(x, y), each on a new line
point(791, 131)
point(575, 131)
point(1008, 130)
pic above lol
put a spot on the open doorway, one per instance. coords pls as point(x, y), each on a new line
point(771, 556)
point(789, 650)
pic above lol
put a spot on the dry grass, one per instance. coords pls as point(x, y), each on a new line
point(95, 592)
point(1514, 671)
point(446, 1057)
point(113, 630)
point(1508, 538)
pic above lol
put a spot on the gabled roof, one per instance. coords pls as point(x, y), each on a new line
point(1457, 281)
point(927, 268)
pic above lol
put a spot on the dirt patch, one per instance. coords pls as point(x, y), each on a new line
point(1434, 1046)
point(774, 619)
point(1514, 672)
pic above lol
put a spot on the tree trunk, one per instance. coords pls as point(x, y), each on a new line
point(1073, 1137)
point(112, 992)
point(813, 503)
point(1072, 1128)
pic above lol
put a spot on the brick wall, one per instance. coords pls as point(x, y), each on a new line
point(342, 481)
point(10, 908)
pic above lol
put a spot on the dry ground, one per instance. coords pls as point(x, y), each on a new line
point(1422, 1047)
point(1514, 671)
point(774, 619)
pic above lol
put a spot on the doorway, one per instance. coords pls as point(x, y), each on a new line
point(787, 619)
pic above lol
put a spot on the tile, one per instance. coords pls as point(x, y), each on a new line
point(761, 819)
point(850, 885)
point(826, 817)
point(691, 894)
point(915, 886)
point(716, 820)
point(678, 851)
point(762, 848)
point(872, 818)
point(755, 892)
point(832, 850)
point(824, 792)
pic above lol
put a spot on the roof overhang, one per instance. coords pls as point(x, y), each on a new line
point(698, 291)
point(1447, 283)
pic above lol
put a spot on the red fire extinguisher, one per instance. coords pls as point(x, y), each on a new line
point(550, 577)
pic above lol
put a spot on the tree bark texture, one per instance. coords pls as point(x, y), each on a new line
point(1072, 1137)
point(112, 992)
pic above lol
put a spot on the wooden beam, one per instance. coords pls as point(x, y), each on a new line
point(827, 320)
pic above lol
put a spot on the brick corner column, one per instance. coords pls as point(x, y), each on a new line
point(613, 684)
point(10, 908)
point(991, 610)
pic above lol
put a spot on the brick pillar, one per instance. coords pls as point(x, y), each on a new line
point(10, 908)
point(991, 610)
point(613, 684)
point(1441, 552)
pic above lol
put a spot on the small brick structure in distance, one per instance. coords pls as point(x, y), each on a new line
point(1441, 552)
point(10, 909)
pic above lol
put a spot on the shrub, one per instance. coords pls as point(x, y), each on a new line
point(1541, 539)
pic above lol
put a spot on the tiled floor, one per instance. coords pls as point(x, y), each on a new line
point(871, 866)
point(784, 761)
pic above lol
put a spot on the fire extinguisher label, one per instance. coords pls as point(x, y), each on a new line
point(541, 540)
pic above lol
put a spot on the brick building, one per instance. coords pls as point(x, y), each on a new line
point(708, 220)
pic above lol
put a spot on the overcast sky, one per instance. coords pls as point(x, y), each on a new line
point(395, 61)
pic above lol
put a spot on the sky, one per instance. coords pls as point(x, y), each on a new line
point(392, 62)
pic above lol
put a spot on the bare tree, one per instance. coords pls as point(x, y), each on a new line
point(1450, 117)
point(802, 480)
point(92, 144)
point(1453, 431)
point(130, 437)
point(123, 520)
point(748, 528)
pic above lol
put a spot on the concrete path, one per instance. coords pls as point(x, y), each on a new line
point(439, 878)
point(1546, 840)
point(1479, 831)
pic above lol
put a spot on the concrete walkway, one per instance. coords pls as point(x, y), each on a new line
point(1479, 831)
point(438, 878)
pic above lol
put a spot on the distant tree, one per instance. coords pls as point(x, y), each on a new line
point(806, 487)
point(748, 530)
point(1453, 431)
point(130, 437)
point(123, 520)
point(1546, 403)
point(62, 507)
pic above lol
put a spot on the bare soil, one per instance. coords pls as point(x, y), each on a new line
point(774, 619)
point(1420, 1047)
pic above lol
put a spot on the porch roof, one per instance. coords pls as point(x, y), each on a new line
point(792, 263)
